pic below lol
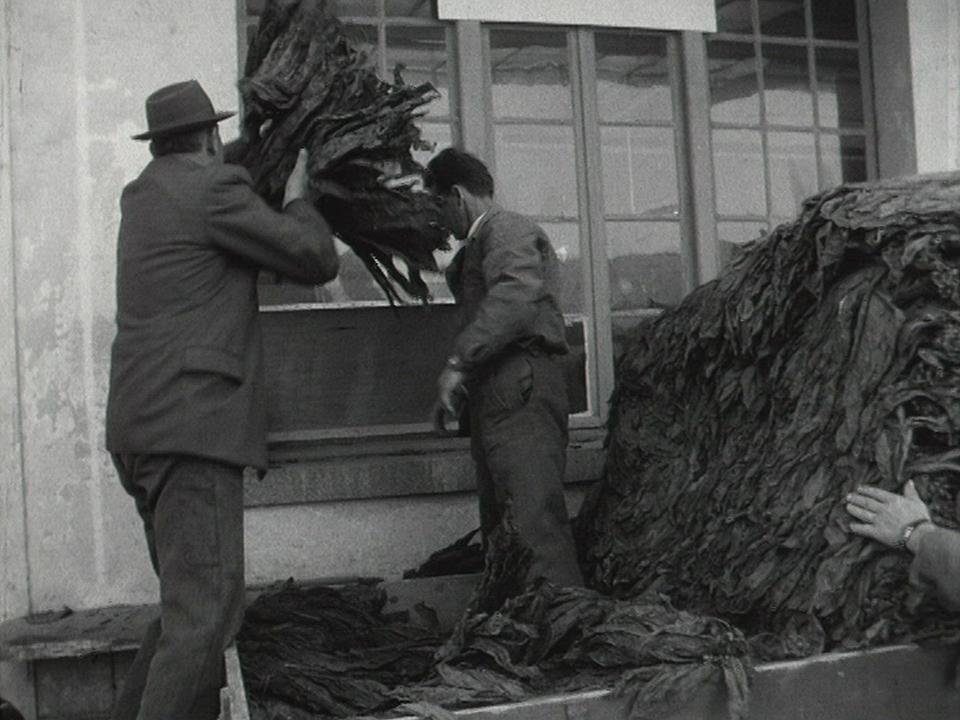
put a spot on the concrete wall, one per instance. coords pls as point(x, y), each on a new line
point(76, 77)
point(935, 64)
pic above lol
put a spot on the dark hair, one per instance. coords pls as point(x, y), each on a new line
point(456, 167)
point(184, 142)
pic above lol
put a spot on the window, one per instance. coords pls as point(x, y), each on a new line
point(787, 109)
point(585, 130)
point(584, 142)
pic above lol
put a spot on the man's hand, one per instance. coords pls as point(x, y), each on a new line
point(298, 181)
point(450, 389)
point(883, 515)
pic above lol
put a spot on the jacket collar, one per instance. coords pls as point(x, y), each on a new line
point(481, 221)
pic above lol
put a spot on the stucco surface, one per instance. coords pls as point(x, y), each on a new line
point(78, 74)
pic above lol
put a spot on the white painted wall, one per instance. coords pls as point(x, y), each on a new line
point(935, 65)
point(76, 77)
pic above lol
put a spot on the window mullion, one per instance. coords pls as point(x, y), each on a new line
point(596, 280)
point(689, 72)
point(866, 89)
point(815, 93)
point(473, 85)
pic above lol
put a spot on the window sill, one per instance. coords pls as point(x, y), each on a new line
point(376, 468)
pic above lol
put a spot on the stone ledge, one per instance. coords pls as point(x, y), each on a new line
point(371, 470)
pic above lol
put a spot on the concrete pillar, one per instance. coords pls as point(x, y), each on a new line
point(935, 66)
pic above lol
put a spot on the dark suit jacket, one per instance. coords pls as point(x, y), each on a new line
point(507, 279)
point(186, 372)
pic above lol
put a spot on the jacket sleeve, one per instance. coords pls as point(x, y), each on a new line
point(513, 270)
point(296, 243)
point(938, 562)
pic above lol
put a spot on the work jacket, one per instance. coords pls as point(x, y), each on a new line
point(507, 279)
point(186, 373)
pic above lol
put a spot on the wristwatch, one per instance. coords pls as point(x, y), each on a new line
point(901, 544)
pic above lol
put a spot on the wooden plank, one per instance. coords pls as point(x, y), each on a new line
point(233, 697)
point(897, 683)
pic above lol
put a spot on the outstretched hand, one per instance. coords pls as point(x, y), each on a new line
point(883, 515)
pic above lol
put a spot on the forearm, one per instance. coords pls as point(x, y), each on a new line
point(497, 323)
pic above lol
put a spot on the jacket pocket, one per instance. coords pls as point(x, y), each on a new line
point(512, 385)
point(213, 360)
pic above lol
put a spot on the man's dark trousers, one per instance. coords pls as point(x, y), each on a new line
point(192, 511)
point(518, 423)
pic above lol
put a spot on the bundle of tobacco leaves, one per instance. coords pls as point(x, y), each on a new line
point(827, 357)
point(307, 86)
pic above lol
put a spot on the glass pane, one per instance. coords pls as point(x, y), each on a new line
point(364, 37)
point(409, 8)
point(639, 171)
point(840, 97)
point(732, 235)
point(734, 93)
point(793, 171)
point(738, 172)
point(421, 53)
point(786, 80)
point(633, 80)
point(835, 19)
point(734, 16)
point(354, 8)
point(530, 74)
point(844, 158)
point(565, 238)
point(536, 169)
point(645, 264)
point(783, 17)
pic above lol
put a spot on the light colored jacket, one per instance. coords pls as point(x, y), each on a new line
point(507, 279)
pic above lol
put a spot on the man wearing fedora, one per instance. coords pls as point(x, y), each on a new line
point(186, 410)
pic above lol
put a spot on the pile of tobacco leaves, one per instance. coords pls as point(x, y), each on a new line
point(827, 356)
point(306, 85)
point(322, 652)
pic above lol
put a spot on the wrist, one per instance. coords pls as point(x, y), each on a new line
point(910, 535)
point(456, 363)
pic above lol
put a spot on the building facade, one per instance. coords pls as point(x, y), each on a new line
point(649, 153)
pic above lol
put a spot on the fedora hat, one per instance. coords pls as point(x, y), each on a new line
point(178, 108)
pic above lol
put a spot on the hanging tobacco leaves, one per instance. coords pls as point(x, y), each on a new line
point(307, 86)
point(827, 357)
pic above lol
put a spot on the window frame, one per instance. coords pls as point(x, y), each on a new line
point(811, 44)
